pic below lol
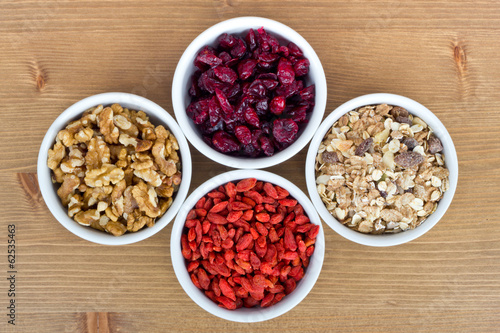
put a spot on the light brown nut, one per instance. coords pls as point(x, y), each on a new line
point(103, 176)
point(87, 217)
point(70, 183)
point(55, 155)
point(146, 199)
point(115, 228)
point(98, 153)
point(107, 127)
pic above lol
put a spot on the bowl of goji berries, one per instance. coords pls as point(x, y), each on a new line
point(249, 92)
point(247, 249)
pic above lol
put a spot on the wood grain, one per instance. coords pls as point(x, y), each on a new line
point(443, 54)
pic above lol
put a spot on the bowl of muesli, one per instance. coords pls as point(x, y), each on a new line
point(381, 170)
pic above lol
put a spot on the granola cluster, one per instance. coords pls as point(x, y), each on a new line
point(380, 170)
point(118, 172)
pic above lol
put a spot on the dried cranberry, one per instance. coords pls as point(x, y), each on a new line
point(207, 56)
point(239, 48)
point(243, 134)
point(195, 112)
point(266, 146)
point(227, 41)
point(250, 39)
point(246, 68)
point(224, 142)
point(251, 117)
point(307, 93)
point(223, 102)
point(277, 105)
point(262, 106)
point(301, 67)
point(257, 89)
point(225, 74)
point(286, 75)
point(285, 130)
point(295, 50)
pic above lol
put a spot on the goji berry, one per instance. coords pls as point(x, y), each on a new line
point(282, 193)
point(246, 184)
point(270, 190)
point(201, 202)
point(226, 302)
point(247, 215)
point(288, 202)
point(262, 217)
point(219, 207)
point(234, 215)
point(248, 201)
point(193, 265)
point(276, 218)
point(230, 189)
point(254, 195)
point(313, 232)
point(261, 229)
point(226, 289)
point(267, 300)
point(215, 286)
point(238, 205)
point(216, 194)
point(289, 240)
point(201, 212)
point(190, 216)
point(216, 218)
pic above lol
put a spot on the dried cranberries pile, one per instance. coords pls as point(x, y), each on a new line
point(248, 96)
point(247, 244)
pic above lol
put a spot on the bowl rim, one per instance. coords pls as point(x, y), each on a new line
point(185, 62)
point(451, 163)
point(253, 314)
point(53, 202)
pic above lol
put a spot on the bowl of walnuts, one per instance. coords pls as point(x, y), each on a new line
point(114, 168)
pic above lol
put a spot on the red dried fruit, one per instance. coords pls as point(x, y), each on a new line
point(246, 184)
point(285, 130)
point(285, 73)
point(227, 303)
point(219, 207)
point(244, 242)
point(224, 142)
point(277, 105)
point(226, 289)
point(225, 74)
point(216, 218)
point(262, 217)
point(207, 56)
point(238, 205)
point(251, 117)
point(301, 67)
point(267, 300)
point(243, 134)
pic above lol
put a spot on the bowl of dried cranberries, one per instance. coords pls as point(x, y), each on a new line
point(247, 249)
point(249, 92)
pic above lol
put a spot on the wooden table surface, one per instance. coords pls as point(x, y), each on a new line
point(444, 54)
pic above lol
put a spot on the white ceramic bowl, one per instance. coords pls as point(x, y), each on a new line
point(451, 163)
point(185, 69)
point(158, 116)
point(246, 314)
